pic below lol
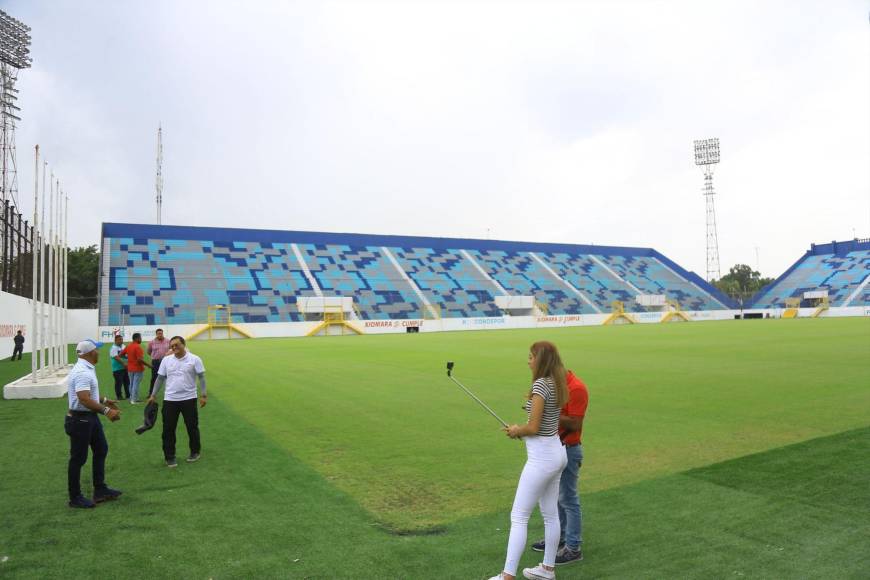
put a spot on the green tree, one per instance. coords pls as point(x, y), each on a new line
point(741, 282)
point(84, 268)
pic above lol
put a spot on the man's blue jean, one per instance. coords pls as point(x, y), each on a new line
point(570, 514)
point(135, 379)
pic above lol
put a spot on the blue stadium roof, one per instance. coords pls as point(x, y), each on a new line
point(120, 230)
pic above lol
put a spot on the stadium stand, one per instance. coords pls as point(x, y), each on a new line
point(171, 274)
point(650, 276)
point(364, 273)
point(521, 274)
point(449, 279)
point(842, 269)
point(600, 287)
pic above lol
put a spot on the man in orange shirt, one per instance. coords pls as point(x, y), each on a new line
point(570, 514)
point(135, 365)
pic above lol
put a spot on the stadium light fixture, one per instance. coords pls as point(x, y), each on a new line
point(707, 151)
point(14, 56)
point(14, 42)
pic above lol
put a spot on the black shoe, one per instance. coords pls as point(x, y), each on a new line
point(171, 462)
point(539, 546)
point(566, 555)
point(81, 502)
point(106, 494)
point(193, 457)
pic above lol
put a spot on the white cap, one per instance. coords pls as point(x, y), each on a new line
point(86, 346)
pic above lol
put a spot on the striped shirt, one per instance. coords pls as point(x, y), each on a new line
point(157, 349)
point(546, 389)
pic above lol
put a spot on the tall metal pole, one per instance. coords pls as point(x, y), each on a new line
point(57, 278)
point(65, 341)
point(34, 233)
point(49, 353)
point(713, 270)
point(51, 276)
point(42, 280)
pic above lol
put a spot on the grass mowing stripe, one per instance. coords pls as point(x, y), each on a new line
point(727, 519)
point(832, 472)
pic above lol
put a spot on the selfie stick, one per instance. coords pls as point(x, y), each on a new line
point(472, 395)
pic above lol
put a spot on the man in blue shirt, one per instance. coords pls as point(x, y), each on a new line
point(82, 424)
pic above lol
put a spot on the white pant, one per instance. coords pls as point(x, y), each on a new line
point(539, 484)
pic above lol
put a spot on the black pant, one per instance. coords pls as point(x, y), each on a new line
point(19, 348)
point(85, 430)
point(122, 379)
point(155, 366)
point(188, 410)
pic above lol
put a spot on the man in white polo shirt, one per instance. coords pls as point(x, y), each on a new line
point(82, 424)
point(179, 373)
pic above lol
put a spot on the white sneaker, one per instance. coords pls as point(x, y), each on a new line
point(499, 577)
point(539, 573)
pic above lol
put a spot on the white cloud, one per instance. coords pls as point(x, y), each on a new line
point(543, 121)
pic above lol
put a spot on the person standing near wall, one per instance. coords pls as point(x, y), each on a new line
point(157, 349)
point(19, 346)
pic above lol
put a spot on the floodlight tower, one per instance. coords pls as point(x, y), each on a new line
point(707, 156)
point(14, 56)
point(159, 180)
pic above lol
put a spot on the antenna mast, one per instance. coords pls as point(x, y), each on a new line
point(159, 180)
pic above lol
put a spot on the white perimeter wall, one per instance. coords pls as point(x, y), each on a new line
point(297, 329)
point(293, 329)
point(16, 314)
point(830, 313)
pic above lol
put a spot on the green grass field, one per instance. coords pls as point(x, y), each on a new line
point(712, 450)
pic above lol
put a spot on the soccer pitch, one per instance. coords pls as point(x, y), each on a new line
point(711, 450)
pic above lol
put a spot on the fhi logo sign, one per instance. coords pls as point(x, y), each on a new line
point(109, 334)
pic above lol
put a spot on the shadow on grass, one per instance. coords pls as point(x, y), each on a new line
point(796, 511)
point(829, 471)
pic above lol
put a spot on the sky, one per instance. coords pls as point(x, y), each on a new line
point(544, 121)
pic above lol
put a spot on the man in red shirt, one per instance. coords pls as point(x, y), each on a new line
point(571, 432)
point(135, 365)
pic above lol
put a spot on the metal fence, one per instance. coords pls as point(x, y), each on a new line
point(16, 253)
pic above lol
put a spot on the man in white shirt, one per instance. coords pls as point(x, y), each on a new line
point(179, 373)
point(82, 425)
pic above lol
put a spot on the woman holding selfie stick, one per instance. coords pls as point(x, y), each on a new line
point(539, 481)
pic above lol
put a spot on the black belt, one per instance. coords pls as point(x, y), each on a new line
point(572, 445)
point(81, 413)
